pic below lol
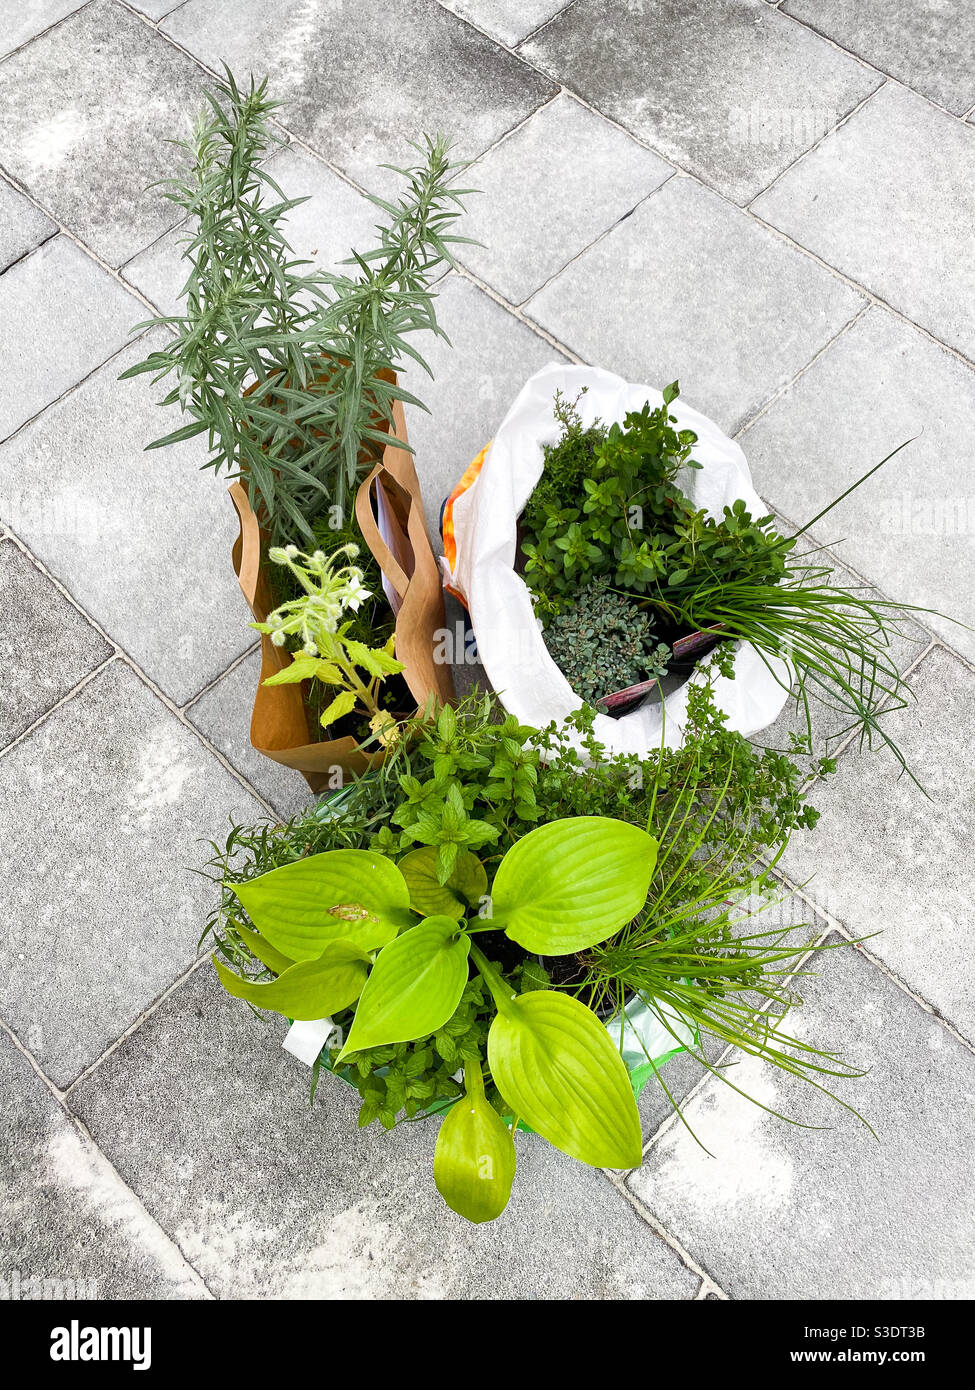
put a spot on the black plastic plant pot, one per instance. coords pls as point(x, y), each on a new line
point(687, 652)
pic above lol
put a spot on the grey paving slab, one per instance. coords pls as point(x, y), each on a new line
point(910, 528)
point(155, 9)
point(22, 225)
point(360, 80)
point(46, 646)
point(104, 809)
point(142, 541)
point(535, 210)
point(21, 23)
point(889, 200)
point(324, 230)
point(928, 44)
point(510, 21)
point(86, 149)
point(223, 714)
point(777, 1211)
point(364, 1220)
point(886, 858)
point(57, 284)
point(689, 287)
point(732, 92)
point(71, 1228)
point(474, 383)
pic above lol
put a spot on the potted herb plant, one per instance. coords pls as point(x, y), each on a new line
point(291, 373)
point(491, 917)
point(604, 564)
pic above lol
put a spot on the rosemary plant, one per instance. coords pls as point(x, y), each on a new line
point(288, 370)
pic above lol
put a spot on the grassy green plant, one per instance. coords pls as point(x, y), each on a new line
point(288, 371)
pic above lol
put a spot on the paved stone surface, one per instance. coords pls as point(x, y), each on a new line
point(889, 200)
point(75, 1231)
point(689, 287)
point(46, 646)
point(22, 23)
point(510, 21)
point(129, 93)
point(910, 528)
point(223, 714)
point(93, 312)
point(104, 803)
point(22, 225)
point(774, 1211)
point(106, 871)
point(358, 81)
point(156, 571)
point(886, 858)
point(474, 383)
point(155, 9)
point(365, 1220)
point(926, 43)
point(324, 230)
point(732, 92)
point(534, 211)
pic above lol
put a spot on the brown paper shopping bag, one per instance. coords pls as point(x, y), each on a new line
point(389, 511)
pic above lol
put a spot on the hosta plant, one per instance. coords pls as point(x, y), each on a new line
point(471, 914)
point(352, 925)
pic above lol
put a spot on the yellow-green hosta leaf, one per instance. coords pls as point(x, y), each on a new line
point(464, 888)
point(572, 882)
point(343, 894)
point(263, 950)
point(310, 989)
point(474, 1161)
point(414, 987)
point(557, 1068)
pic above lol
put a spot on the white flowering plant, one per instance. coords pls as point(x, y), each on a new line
point(320, 620)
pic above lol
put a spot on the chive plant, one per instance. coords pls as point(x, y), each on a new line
point(288, 370)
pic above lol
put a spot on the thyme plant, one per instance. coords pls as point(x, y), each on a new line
point(288, 370)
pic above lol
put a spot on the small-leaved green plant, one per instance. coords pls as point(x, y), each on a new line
point(605, 642)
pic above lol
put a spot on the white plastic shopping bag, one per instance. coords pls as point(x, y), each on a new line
point(480, 540)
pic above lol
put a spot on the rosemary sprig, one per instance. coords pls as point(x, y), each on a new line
point(288, 370)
